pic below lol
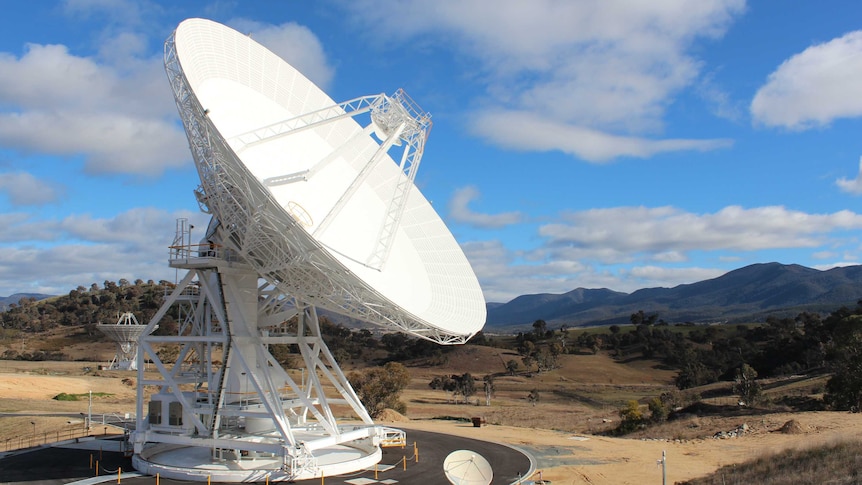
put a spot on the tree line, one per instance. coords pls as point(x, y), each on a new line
point(805, 344)
point(809, 343)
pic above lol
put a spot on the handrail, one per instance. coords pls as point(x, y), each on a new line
point(37, 439)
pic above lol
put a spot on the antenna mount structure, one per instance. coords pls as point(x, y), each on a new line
point(308, 211)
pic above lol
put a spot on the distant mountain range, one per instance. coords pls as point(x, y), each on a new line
point(747, 294)
point(5, 301)
point(743, 295)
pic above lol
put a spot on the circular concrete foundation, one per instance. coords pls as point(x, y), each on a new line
point(195, 463)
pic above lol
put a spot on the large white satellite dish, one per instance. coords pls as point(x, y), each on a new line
point(465, 467)
point(324, 211)
point(309, 210)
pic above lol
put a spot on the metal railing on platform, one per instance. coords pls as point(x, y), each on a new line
point(186, 252)
point(46, 437)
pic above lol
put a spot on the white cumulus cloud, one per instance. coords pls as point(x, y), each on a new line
point(623, 234)
point(23, 188)
point(853, 186)
point(600, 70)
point(59, 255)
point(294, 43)
point(628, 248)
point(527, 130)
point(814, 87)
point(120, 120)
point(460, 212)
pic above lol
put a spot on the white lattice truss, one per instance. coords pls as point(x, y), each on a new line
point(267, 238)
point(225, 378)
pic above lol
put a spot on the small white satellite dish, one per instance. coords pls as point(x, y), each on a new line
point(125, 333)
point(465, 467)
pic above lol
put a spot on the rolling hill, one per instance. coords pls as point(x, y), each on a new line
point(746, 294)
point(5, 301)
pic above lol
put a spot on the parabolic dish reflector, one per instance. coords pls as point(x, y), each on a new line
point(304, 192)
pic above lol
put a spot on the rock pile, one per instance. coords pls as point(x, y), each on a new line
point(734, 433)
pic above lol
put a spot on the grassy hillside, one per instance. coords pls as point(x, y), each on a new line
point(839, 463)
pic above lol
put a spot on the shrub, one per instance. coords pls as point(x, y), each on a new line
point(380, 387)
point(659, 410)
point(631, 418)
point(746, 385)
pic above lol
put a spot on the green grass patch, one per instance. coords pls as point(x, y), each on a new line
point(79, 397)
point(453, 418)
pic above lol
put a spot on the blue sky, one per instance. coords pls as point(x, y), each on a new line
point(588, 144)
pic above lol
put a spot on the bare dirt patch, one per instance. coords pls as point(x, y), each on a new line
point(792, 427)
point(392, 416)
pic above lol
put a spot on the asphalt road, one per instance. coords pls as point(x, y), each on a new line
point(54, 466)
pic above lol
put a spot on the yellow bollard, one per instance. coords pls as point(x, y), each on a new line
point(321, 478)
point(157, 479)
point(404, 459)
point(267, 479)
point(415, 452)
point(97, 468)
point(209, 477)
point(375, 471)
point(119, 473)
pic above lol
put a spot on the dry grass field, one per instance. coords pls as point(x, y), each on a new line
point(562, 430)
point(583, 395)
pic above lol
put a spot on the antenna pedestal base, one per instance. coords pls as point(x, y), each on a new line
point(196, 463)
point(224, 408)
